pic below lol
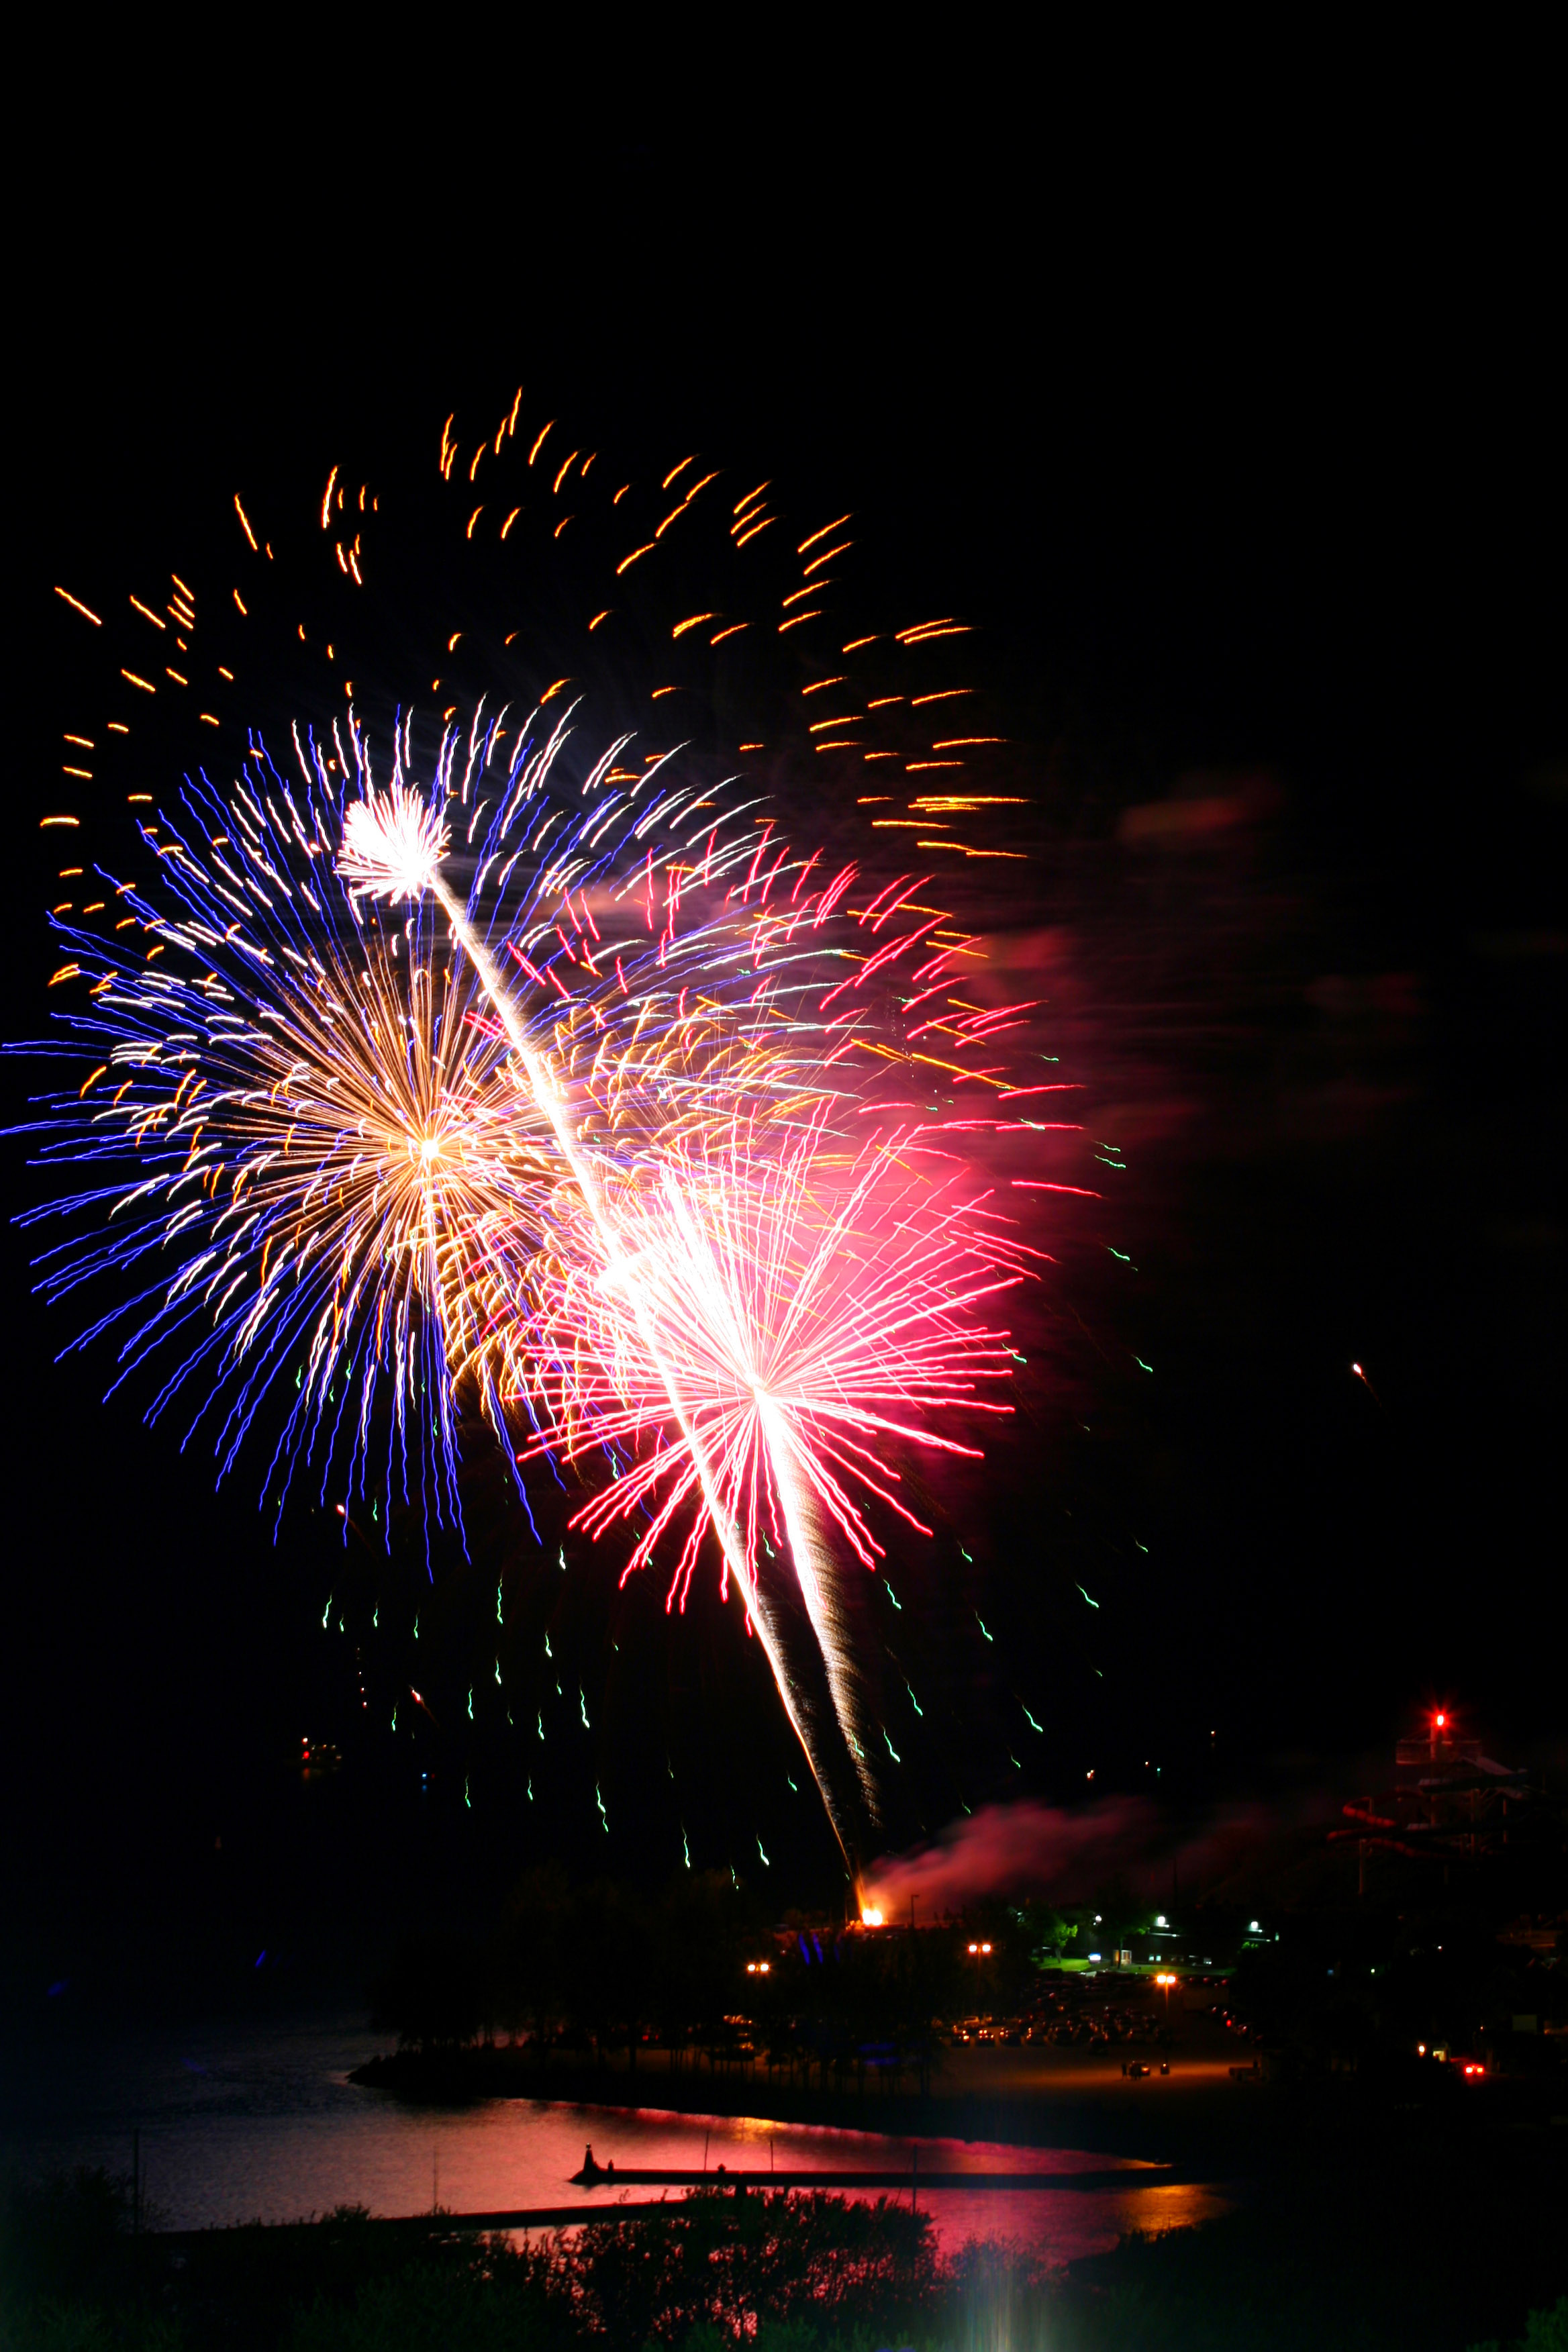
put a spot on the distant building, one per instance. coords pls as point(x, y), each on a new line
point(1449, 1804)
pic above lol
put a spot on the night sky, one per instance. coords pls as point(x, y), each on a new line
point(1255, 494)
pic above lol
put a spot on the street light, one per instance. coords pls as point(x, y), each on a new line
point(1166, 1981)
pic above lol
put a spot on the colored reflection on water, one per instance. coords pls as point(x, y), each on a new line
point(263, 2123)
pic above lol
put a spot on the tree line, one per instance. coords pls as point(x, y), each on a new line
point(700, 1970)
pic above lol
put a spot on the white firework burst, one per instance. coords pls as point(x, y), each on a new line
point(392, 844)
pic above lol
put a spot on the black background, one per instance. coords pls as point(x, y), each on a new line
point(1239, 440)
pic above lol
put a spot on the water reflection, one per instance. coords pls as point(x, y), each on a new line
point(264, 2125)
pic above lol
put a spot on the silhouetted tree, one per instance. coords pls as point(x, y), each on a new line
point(434, 1992)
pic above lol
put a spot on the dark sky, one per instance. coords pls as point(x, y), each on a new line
point(1244, 462)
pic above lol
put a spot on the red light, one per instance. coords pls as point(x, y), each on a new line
point(1440, 1720)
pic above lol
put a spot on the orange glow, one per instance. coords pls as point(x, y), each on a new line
point(77, 606)
point(821, 534)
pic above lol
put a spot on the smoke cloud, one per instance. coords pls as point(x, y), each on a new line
point(1011, 1849)
point(1069, 1856)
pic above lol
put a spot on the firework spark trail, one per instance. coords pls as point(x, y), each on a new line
point(803, 1312)
point(393, 849)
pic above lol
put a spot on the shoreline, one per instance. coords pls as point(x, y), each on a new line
point(1198, 2114)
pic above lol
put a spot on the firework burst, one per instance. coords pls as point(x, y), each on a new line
point(775, 1319)
point(477, 1062)
point(394, 843)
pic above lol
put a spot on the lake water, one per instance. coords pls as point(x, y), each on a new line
point(261, 2123)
